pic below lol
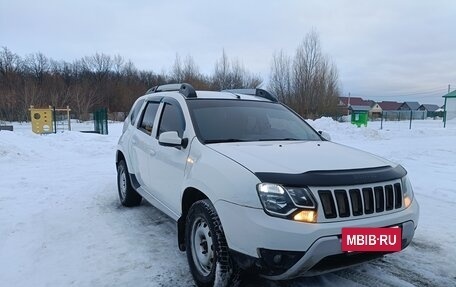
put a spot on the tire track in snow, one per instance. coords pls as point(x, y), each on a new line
point(365, 279)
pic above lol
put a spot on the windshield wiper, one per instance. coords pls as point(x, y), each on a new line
point(225, 141)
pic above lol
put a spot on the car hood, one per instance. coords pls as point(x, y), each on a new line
point(298, 156)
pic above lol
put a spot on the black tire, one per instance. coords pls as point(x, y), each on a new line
point(127, 194)
point(203, 219)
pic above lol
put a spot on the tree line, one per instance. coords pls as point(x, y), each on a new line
point(308, 82)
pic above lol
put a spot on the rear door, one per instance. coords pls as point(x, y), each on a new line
point(142, 144)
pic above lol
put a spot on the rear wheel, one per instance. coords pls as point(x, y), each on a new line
point(127, 194)
point(206, 247)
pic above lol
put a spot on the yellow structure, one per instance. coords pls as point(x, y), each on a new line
point(42, 120)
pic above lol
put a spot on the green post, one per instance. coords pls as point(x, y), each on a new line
point(444, 113)
point(104, 121)
point(54, 119)
point(95, 122)
point(410, 125)
point(100, 120)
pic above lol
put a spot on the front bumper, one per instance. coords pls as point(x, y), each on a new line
point(250, 230)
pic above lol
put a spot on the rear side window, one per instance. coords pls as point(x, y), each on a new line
point(172, 120)
point(148, 117)
point(135, 111)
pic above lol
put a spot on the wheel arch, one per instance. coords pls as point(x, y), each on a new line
point(189, 196)
point(120, 156)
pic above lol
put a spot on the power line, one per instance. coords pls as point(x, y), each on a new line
point(415, 91)
point(434, 92)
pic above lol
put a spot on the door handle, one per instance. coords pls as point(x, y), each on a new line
point(152, 152)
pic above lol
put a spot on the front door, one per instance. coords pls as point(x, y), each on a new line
point(167, 170)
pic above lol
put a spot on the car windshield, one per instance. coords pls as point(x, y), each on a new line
point(217, 120)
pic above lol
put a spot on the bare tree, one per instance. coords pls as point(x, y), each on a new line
point(177, 73)
point(9, 62)
point(118, 64)
point(280, 77)
point(10, 66)
point(190, 71)
point(308, 82)
point(84, 98)
point(38, 65)
point(232, 75)
point(99, 64)
point(221, 78)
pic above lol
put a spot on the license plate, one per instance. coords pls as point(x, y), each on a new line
point(370, 239)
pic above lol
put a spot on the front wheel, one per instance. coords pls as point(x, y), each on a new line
point(206, 247)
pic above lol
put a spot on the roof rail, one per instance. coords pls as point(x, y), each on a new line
point(254, 92)
point(185, 89)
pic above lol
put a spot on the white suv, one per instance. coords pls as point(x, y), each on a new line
point(252, 186)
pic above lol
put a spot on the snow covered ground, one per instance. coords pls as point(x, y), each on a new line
point(61, 223)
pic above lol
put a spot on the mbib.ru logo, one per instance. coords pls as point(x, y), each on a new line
point(371, 239)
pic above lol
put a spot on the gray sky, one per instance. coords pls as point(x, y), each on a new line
point(384, 50)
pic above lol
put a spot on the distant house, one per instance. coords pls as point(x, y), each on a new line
point(389, 105)
point(352, 101)
point(428, 108)
point(407, 106)
point(346, 104)
point(431, 110)
point(375, 111)
point(450, 107)
point(375, 108)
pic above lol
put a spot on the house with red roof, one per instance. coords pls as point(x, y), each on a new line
point(389, 105)
point(347, 104)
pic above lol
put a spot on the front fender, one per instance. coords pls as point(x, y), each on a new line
point(219, 177)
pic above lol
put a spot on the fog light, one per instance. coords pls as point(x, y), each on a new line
point(407, 201)
point(306, 216)
point(274, 262)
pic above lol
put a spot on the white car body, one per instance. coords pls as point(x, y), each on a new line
point(228, 174)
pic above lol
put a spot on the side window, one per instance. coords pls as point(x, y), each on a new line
point(148, 117)
point(135, 112)
point(172, 120)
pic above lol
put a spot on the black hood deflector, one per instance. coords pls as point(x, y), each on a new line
point(334, 177)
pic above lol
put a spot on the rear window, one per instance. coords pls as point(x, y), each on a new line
point(135, 111)
point(148, 117)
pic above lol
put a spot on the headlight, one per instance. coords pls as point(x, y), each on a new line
point(275, 200)
point(282, 201)
point(407, 191)
point(301, 197)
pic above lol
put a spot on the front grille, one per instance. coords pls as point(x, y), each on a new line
point(360, 201)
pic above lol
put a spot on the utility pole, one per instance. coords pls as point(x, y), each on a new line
point(444, 108)
point(348, 106)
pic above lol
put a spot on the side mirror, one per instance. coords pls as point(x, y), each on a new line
point(170, 139)
point(325, 135)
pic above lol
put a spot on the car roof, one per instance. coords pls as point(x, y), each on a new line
point(188, 92)
point(228, 96)
point(204, 95)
